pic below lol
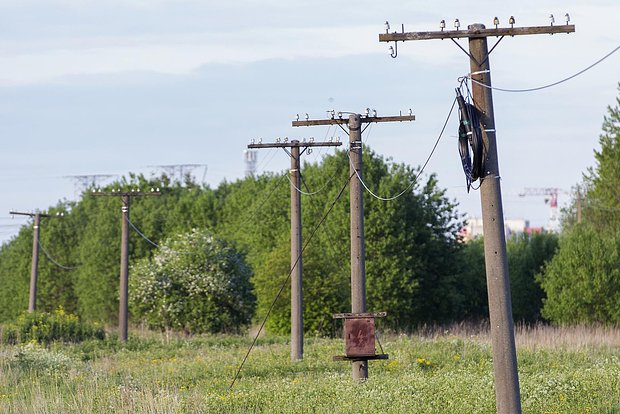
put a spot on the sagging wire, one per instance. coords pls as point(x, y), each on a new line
point(163, 248)
point(294, 265)
point(417, 176)
point(51, 259)
point(308, 193)
point(549, 85)
point(331, 244)
point(251, 214)
point(300, 191)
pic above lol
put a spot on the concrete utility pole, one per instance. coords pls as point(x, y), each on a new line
point(507, 392)
point(297, 323)
point(354, 122)
point(124, 273)
point(34, 268)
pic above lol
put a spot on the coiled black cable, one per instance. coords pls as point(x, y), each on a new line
point(470, 136)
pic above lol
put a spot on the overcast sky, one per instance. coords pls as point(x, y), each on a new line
point(90, 87)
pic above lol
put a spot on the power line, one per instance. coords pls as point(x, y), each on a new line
point(309, 193)
point(51, 259)
point(252, 213)
point(152, 242)
point(549, 85)
point(331, 207)
point(415, 180)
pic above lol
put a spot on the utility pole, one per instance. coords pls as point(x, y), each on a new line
point(507, 393)
point(34, 268)
point(124, 273)
point(297, 323)
point(354, 123)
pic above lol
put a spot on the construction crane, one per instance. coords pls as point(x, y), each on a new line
point(551, 198)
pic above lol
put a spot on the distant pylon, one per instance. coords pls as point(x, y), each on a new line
point(250, 158)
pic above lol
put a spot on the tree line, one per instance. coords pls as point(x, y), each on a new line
point(418, 268)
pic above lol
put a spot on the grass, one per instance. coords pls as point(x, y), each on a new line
point(449, 370)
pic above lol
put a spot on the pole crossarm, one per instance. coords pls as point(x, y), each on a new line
point(363, 120)
point(125, 193)
point(475, 33)
point(19, 213)
point(295, 144)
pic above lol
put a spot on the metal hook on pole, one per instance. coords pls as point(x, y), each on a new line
point(394, 50)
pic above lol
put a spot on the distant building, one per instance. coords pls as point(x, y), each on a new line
point(512, 227)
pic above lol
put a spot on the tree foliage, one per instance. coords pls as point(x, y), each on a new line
point(527, 256)
point(598, 196)
point(417, 270)
point(582, 282)
point(411, 247)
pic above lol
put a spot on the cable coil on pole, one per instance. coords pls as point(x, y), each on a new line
point(470, 136)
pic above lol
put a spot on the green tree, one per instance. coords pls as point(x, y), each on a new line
point(582, 281)
point(473, 281)
point(411, 247)
point(600, 192)
point(526, 258)
point(15, 274)
point(194, 282)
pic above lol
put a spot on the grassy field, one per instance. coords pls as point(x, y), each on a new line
point(569, 371)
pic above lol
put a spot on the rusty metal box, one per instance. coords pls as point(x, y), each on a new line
point(359, 337)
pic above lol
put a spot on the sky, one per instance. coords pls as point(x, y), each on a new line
point(107, 88)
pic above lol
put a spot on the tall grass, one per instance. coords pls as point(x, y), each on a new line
point(439, 370)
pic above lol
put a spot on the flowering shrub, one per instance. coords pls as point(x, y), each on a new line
point(46, 327)
point(195, 283)
point(33, 357)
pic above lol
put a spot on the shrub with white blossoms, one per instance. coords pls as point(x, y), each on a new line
point(194, 282)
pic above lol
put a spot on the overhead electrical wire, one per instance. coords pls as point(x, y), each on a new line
point(51, 259)
point(309, 193)
point(152, 242)
point(415, 180)
point(251, 214)
point(300, 191)
point(549, 85)
point(284, 284)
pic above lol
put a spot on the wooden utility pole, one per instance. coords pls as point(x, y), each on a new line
point(297, 323)
point(124, 272)
point(507, 391)
point(354, 122)
point(34, 267)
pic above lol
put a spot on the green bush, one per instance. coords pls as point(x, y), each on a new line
point(44, 327)
point(194, 283)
